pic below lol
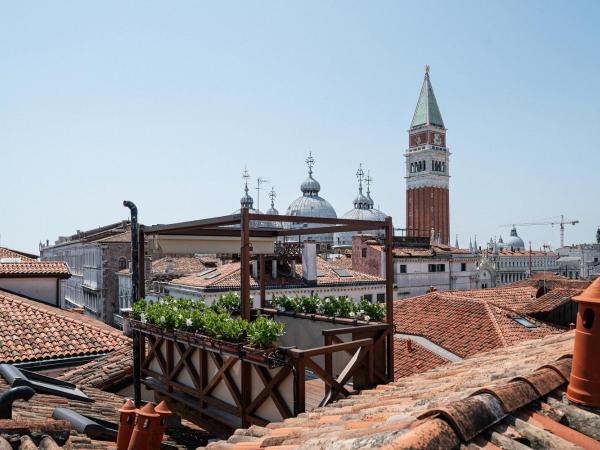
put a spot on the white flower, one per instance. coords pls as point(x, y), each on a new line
point(352, 314)
point(326, 300)
point(160, 301)
point(188, 322)
point(281, 308)
point(367, 318)
point(180, 316)
point(143, 318)
point(162, 319)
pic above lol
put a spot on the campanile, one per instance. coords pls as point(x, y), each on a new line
point(427, 169)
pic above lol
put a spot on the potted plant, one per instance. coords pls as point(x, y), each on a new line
point(263, 334)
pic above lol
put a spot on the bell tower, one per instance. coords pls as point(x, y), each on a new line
point(427, 170)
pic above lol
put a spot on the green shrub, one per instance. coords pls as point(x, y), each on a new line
point(370, 311)
point(264, 332)
point(309, 305)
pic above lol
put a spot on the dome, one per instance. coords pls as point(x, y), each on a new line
point(363, 210)
point(248, 202)
point(310, 204)
point(514, 241)
point(273, 211)
point(310, 186)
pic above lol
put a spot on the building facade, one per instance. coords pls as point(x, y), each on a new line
point(94, 257)
point(428, 170)
point(580, 261)
point(508, 262)
point(419, 266)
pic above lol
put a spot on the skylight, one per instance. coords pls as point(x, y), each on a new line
point(206, 272)
point(342, 272)
point(212, 275)
point(522, 321)
point(321, 273)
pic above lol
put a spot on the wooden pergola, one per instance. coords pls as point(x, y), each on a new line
point(246, 225)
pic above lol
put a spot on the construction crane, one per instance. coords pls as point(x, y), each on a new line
point(561, 223)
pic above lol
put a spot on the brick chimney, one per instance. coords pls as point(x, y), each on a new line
point(584, 385)
point(309, 262)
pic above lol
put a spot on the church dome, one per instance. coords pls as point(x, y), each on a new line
point(272, 211)
point(312, 205)
point(363, 210)
point(514, 241)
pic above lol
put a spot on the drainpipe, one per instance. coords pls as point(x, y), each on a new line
point(135, 289)
point(7, 399)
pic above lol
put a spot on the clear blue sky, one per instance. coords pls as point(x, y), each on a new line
point(163, 103)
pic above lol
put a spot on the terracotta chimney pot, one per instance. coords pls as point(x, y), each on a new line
point(163, 410)
point(584, 385)
point(126, 423)
point(145, 428)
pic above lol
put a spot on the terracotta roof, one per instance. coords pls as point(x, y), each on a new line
point(551, 300)
point(413, 358)
point(464, 325)
point(20, 265)
point(31, 331)
point(8, 253)
point(109, 373)
point(229, 277)
point(444, 407)
point(550, 280)
point(124, 237)
point(105, 407)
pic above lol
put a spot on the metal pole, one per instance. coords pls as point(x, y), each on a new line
point(135, 289)
point(389, 292)
point(245, 263)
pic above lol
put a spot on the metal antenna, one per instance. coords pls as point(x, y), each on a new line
point(259, 182)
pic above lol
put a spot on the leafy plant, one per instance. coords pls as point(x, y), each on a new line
point(264, 332)
point(309, 305)
point(234, 330)
point(371, 311)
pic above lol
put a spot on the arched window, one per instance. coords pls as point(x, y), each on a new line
point(122, 263)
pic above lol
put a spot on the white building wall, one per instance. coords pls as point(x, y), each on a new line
point(354, 292)
point(42, 289)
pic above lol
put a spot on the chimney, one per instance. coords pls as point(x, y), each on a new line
point(584, 385)
point(409, 346)
point(169, 265)
point(309, 262)
point(254, 268)
point(126, 424)
point(274, 269)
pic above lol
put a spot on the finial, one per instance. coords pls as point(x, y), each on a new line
point(360, 173)
point(272, 196)
point(246, 177)
point(427, 68)
point(368, 181)
point(310, 162)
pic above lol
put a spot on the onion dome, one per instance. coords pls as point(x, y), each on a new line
point(514, 242)
point(248, 202)
point(363, 210)
point(312, 205)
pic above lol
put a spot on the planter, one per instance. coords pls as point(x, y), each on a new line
point(258, 354)
point(229, 347)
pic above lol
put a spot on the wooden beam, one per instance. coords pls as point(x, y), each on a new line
point(245, 264)
point(325, 229)
point(204, 223)
point(367, 224)
point(389, 292)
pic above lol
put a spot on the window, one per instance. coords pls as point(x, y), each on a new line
point(368, 297)
point(437, 267)
point(463, 267)
point(122, 263)
point(380, 298)
point(364, 252)
point(402, 268)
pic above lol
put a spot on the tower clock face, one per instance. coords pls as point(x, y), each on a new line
point(437, 139)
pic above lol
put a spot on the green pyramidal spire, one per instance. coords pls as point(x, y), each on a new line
point(427, 111)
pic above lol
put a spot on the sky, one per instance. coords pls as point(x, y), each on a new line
point(164, 103)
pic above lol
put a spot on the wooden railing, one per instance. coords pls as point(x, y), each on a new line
point(224, 389)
